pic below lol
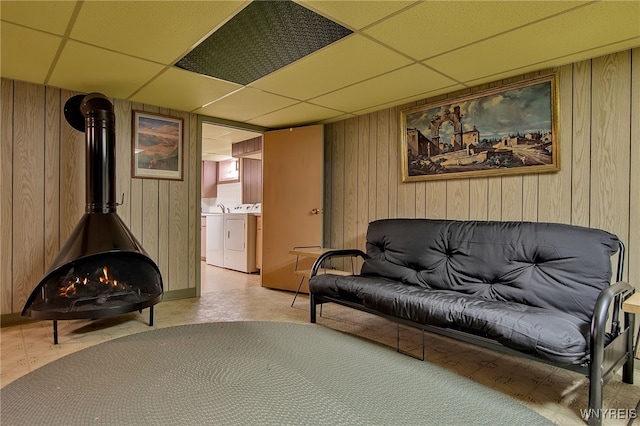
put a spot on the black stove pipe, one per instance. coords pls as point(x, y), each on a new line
point(93, 115)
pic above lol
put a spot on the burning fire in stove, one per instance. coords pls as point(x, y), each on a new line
point(91, 284)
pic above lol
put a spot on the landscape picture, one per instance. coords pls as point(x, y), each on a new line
point(157, 146)
point(510, 130)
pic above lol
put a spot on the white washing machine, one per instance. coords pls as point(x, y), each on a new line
point(215, 239)
point(240, 239)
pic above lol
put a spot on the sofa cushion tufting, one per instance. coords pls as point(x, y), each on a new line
point(541, 265)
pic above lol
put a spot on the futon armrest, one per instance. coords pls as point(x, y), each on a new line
point(619, 292)
point(336, 253)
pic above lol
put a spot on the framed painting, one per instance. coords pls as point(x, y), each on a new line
point(157, 144)
point(501, 131)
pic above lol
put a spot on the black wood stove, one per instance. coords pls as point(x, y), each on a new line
point(102, 270)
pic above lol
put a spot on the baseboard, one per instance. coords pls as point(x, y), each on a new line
point(7, 320)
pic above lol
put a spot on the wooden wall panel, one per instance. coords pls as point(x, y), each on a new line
point(382, 165)
point(555, 205)
point(53, 113)
point(6, 195)
point(394, 173)
point(511, 198)
point(478, 199)
point(28, 190)
point(179, 236)
point(363, 178)
point(611, 147)
point(72, 174)
point(633, 243)
point(373, 166)
point(597, 186)
point(436, 196)
point(580, 143)
point(337, 186)
point(494, 198)
point(458, 199)
point(43, 192)
point(351, 178)
point(195, 159)
point(327, 201)
point(122, 112)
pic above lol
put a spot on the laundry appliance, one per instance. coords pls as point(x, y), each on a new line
point(215, 239)
point(240, 238)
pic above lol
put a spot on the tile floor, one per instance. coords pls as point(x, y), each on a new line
point(232, 296)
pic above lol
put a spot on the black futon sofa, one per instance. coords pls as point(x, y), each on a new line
point(539, 290)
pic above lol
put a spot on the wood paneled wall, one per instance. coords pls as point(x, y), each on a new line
point(598, 185)
point(42, 192)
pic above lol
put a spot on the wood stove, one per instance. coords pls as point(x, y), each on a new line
point(102, 270)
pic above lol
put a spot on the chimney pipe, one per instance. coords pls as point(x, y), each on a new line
point(93, 115)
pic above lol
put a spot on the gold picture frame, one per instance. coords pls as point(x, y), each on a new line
point(157, 146)
point(508, 130)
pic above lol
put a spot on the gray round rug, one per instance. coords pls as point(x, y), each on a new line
point(251, 373)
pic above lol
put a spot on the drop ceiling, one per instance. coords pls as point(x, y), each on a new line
point(397, 52)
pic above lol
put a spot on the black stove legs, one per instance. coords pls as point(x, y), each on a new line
point(55, 325)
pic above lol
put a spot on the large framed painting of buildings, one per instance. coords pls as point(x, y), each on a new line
point(501, 131)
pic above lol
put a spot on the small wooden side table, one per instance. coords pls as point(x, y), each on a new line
point(632, 306)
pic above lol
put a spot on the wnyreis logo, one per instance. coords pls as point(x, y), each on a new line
point(610, 413)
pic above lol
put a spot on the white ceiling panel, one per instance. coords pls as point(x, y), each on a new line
point(159, 31)
point(183, 90)
point(47, 16)
point(245, 104)
point(391, 87)
point(27, 54)
point(298, 113)
point(434, 27)
point(558, 38)
point(99, 70)
point(332, 68)
point(356, 14)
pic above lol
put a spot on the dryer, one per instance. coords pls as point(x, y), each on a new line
point(240, 239)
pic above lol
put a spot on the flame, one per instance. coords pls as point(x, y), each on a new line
point(73, 285)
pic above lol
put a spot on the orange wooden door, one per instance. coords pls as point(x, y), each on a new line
point(291, 200)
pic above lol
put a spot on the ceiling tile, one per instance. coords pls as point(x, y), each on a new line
point(334, 67)
point(50, 16)
point(183, 90)
point(26, 54)
point(355, 14)
point(226, 134)
point(89, 69)
point(295, 115)
point(580, 31)
point(408, 99)
point(395, 86)
point(245, 104)
point(161, 31)
point(435, 27)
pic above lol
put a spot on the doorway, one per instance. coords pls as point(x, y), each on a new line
point(221, 188)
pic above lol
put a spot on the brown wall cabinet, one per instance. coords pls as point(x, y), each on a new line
point(251, 180)
point(209, 179)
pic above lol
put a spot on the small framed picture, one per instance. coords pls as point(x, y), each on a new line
point(157, 144)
